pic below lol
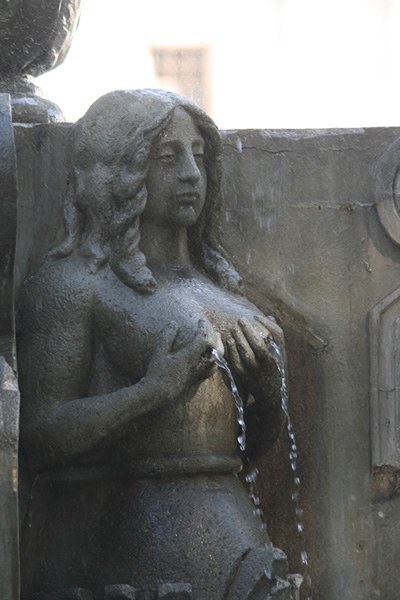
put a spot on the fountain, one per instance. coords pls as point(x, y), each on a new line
point(140, 476)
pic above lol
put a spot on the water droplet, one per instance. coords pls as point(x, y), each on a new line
point(223, 365)
point(304, 557)
point(251, 476)
point(277, 355)
point(256, 501)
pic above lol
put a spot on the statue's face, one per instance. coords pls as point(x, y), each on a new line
point(177, 179)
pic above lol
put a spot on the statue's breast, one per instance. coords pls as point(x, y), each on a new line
point(201, 429)
point(128, 324)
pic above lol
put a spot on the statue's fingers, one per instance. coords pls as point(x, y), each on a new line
point(211, 336)
point(245, 350)
point(205, 367)
point(234, 359)
point(271, 328)
point(255, 338)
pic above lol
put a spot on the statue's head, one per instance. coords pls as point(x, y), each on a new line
point(114, 147)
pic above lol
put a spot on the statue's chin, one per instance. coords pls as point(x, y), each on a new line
point(184, 216)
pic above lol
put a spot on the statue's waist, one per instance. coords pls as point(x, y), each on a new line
point(147, 467)
point(203, 426)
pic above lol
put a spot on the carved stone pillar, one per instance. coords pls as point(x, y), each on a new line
point(9, 396)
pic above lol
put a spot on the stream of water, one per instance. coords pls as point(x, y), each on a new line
point(223, 365)
point(278, 357)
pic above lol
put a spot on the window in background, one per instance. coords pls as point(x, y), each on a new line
point(184, 70)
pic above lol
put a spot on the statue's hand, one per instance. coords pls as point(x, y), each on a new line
point(258, 375)
point(173, 372)
point(247, 350)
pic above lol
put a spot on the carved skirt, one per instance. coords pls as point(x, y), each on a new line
point(100, 535)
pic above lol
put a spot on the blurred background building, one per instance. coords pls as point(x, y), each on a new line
point(250, 64)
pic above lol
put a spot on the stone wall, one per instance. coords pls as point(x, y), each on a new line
point(302, 224)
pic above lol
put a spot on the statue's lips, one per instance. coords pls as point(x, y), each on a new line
point(188, 198)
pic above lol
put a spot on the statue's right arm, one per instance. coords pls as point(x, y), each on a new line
point(59, 422)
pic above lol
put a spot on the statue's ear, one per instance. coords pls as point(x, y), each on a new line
point(125, 182)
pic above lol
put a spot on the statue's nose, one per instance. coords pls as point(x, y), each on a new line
point(188, 168)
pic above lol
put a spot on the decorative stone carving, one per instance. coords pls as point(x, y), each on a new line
point(385, 381)
point(385, 342)
point(35, 37)
point(130, 430)
point(387, 191)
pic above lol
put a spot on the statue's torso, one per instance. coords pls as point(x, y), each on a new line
point(181, 499)
point(193, 434)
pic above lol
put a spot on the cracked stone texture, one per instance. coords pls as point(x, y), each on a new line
point(302, 228)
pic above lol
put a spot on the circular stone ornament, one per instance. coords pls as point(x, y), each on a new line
point(387, 191)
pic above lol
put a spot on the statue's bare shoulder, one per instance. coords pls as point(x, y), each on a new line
point(54, 292)
point(54, 333)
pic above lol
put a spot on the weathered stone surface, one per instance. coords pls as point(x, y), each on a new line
point(120, 592)
point(384, 325)
point(295, 581)
point(8, 230)
point(75, 594)
point(386, 175)
point(9, 421)
point(301, 213)
point(299, 217)
point(35, 37)
point(9, 397)
point(258, 576)
point(175, 591)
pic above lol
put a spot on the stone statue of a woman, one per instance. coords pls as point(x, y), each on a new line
point(129, 427)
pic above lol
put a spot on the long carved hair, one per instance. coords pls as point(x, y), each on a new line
point(113, 141)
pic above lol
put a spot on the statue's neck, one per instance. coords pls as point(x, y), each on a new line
point(163, 245)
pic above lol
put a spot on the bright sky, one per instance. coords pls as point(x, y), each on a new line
point(274, 63)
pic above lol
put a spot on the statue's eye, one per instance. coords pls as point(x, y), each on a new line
point(199, 157)
point(167, 158)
